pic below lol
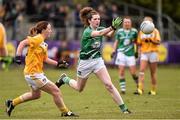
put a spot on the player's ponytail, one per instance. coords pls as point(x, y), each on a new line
point(33, 31)
point(86, 14)
point(38, 28)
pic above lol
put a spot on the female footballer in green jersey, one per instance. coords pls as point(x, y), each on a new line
point(125, 40)
point(90, 60)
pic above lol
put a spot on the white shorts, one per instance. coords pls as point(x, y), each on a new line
point(86, 67)
point(151, 57)
point(36, 81)
point(125, 60)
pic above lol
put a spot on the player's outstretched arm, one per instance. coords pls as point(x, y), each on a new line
point(58, 64)
point(21, 45)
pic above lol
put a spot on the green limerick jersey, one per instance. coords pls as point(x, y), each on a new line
point(126, 39)
point(90, 46)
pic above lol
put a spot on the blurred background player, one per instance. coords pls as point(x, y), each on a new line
point(125, 40)
point(90, 56)
point(148, 48)
point(36, 55)
point(4, 58)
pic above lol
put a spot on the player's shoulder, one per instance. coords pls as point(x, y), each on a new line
point(134, 30)
point(120, 30)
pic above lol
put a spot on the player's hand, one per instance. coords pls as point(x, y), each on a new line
point(116, 23)
point(136, 55)
point(18, 60)
point(62, 63)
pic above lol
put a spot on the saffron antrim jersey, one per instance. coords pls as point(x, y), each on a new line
point(37, 53)
point(2, 36)
point(126, 39)
point(149, 46)
point(90, 46)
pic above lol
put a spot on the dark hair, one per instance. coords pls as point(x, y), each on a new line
point(38, 28)
point(126, 17)
point(86, 14)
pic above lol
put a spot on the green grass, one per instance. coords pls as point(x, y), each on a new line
point(95, 102)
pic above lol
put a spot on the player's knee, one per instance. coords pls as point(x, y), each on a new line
point(109, 87)
point(36, 96)
point(141, 73)
point(55, 92)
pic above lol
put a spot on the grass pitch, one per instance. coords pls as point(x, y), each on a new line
point(95, 102)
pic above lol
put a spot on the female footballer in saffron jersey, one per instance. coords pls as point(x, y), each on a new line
point(148, 48)
point(33, 71)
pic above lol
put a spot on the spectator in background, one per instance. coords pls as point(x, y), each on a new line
point(32, 7)
point(102, 12)
point(13, 16)
point(125, 40)
point(148, 48)
point(46, 11)
point(95, 3)
point(59, 22)
point(77, 22)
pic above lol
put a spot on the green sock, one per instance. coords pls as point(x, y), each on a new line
point(122, 83)
point(135, 78)
point(66, 80)
point(123, 107)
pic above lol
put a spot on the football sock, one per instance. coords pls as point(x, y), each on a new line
point(64, 109)
point(122, 83)
point(135, 78)
point(66, 80)
point(123, 107)
point(17, 101)
point(140, 86)
point(153, 88)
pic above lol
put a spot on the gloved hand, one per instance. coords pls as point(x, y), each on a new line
point(62, 63)
point(116, 23)
point(18, 60)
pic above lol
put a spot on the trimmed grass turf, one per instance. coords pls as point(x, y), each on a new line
point(95, 102)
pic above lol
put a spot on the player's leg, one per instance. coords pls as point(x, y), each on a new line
point(122, 81)
point(32, 95)
point(78, 84)
point(131, 62)
point(121, 62)
point(52, 89)
point(132, 70)
point(153, 68)
point(83, 71)
point(103, 75)
point(143, 65)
